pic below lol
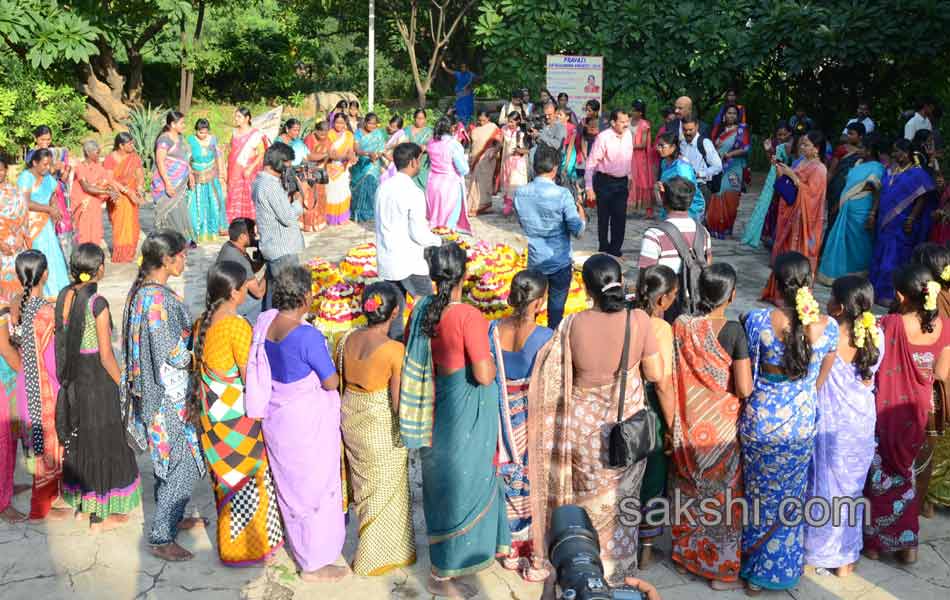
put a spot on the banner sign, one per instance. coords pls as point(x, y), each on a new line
point(269, 123)
point(580, 77)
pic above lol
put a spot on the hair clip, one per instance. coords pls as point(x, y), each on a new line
point(84, 277)
point(610, 286)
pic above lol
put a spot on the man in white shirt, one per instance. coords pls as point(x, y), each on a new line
point(402, 231)
point(921, 118)
point(863, 117)
point(701, 153)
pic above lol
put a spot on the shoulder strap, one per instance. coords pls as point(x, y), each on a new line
point(679, 242)
point(624, 357)
point(699, 242)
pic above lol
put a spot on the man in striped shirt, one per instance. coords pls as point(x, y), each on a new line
point(657, 247)
point(278, 216)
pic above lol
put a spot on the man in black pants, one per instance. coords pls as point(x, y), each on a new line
point(607, 176)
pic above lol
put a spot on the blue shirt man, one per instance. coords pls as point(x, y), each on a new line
point(549, 216)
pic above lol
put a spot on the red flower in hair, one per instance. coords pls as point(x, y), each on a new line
point(372, 303)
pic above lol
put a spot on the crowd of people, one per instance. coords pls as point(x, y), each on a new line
point(294, 429)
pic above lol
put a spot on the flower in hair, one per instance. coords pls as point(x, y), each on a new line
point(372, 303)
point(806, 306)
point(84, 277)
point(138, 261)
point(930, 298)
point(945, 274)
point(865, 326)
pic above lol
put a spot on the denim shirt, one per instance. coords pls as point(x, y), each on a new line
point(549, 217)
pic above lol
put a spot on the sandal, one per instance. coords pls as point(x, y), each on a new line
point(533, 574)
point(11, 515)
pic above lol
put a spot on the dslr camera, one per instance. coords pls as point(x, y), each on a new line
point(575, 553)
point(312, 173)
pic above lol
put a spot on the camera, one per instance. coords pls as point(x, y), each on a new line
point(312, 173)
point(575, 553)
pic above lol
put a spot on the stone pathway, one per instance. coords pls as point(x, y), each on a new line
point(62, 560)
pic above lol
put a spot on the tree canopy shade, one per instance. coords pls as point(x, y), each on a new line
point(824, 53)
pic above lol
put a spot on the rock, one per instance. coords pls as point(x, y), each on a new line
point(321, 103)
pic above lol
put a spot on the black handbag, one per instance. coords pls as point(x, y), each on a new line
point(633, 439)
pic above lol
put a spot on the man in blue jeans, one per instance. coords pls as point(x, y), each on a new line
point(550, 216)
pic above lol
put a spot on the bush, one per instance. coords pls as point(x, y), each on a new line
point(27, 100)
point(145, 125)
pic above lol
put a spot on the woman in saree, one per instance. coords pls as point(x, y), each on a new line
point(292, 387)
point(353, 120)
point(573, 400)
point(898, 218)
point(364, 176)
point(125, 164)
point(91, 188)
point(37, 186)
point(731, 100)
point(801, 222)
point(464, 94)
point(10, 429)
point(396, 135)
point(643, 163)
point(514, 161)
point(777, 149)
point(777, 427)
point(449, 409)
point(916, 355)
point(848, 247)
point(314, 217)
point(61, 170)
point(245, 157)
point(100, 475)
point(568, 166)
point(249, 530)
point(420, 133)
point(370, 368)
point(342, 156)
point(156, 331)
point(516, 341)
point(732, 143)
point(940, 231)
point(14, 232)
point(656, 292)
point(844, 443)
point(33, 329)
point(936, 450)
point(208, 210)
point(290, 135)
point(340, 108)
point(844, 158)
point(172, 180)
point(445, 191)
point(486, 142)
point(713, 375)
point(673, 164)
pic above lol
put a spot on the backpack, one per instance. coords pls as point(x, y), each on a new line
point(715, 183)
point(694, 259)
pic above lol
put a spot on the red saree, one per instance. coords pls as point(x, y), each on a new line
point(800, 226)
point(245, 152)
point(706, 454)
point(904, 400)
point(642, 169)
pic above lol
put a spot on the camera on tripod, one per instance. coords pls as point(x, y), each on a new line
point(575, 554)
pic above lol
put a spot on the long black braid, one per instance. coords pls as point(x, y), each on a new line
point(446, 268)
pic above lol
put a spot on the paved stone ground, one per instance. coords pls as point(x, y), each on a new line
point(62, 560)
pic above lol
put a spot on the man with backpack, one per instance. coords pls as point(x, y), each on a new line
point(701, 153)
point(679, 242)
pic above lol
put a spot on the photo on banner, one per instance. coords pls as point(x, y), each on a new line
point(580, 77)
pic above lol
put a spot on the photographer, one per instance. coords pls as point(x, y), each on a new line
point(242, 240)
point(548, 132)
point(278, 215)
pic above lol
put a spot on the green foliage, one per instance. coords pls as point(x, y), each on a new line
point(27, 101)
point(145, 125)
point(44, 32)
point(823, 54)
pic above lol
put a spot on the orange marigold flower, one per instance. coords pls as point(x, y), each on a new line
point(707, 552)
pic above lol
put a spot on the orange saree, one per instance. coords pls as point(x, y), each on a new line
point(124, 212)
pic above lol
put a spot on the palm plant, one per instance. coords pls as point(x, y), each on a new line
point(145, 125)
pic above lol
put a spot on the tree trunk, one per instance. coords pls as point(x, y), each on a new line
point(98, 121)
point(188, 88)
point(101, 98)
point(136, 81)
point(183, 79)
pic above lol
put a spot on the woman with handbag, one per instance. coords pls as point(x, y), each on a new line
point(573, 407)
point(713, 373)
point(777, 426)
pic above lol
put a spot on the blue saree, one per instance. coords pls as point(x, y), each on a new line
point(45, 240)
point(207, 206)
point(464, 98)
point(364, 176)
point(849, 245)
point(777, 431)
point(752, 236)
point(892, 246)
point(681, 168)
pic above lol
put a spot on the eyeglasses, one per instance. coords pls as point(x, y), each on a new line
point(661, 146)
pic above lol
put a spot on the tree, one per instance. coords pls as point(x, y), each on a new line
point(86, 42)
point(421, 23)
